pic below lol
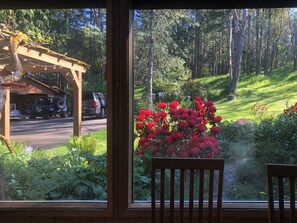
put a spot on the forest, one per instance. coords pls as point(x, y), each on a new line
point(171, 47)
point(77, 33)
point(175, 46)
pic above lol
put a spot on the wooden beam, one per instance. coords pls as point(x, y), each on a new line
point(25, 51)
point(5, 118)
point(77, 105)
point(34, 69)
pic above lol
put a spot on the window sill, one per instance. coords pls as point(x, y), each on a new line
point(230, 209)
point(58, 208)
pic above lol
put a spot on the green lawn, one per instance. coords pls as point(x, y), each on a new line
point(62, 150)
point(276, 92)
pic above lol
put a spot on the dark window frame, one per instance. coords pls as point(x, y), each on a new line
point(67, 207)
point(127, 207)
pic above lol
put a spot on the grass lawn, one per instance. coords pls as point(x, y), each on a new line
point(277, 91)
point(62, 150)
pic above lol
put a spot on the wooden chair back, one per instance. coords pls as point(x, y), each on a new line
point(198, 172)
point(277, 174)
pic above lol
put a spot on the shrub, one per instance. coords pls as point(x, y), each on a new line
point(236, 139)
point(249, 182)
point(78, 175)
point(276, 140)
point(183, 132)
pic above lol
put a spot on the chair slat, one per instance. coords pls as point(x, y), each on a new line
point(182, 195)
point(281, 172)
point(187, 181)
point(281, 199)
point(153, 195)
point(220, 195)
point(201, 192)
point(210, 195)
point(292, 200)
point(172, 181)
point(162, 196)
point(191, 196)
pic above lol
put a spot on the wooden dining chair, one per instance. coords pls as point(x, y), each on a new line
point(181, 187)
point(282, 178)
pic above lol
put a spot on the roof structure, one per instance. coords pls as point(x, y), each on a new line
point(36, 59)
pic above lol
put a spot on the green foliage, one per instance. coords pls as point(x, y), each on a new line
point(236, 139)
point(78, 175)
point(141, 180)
point(193, 88)
point(249, 182)
point(276, 140)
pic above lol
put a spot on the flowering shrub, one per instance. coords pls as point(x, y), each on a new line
point(259, 109)
point(291, 110)
point(173, 131)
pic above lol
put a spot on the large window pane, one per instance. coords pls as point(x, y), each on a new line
point(241, 63)
point(47, 162)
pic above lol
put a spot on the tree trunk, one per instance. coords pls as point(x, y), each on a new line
point(150, 61)
point(273, 55)
point(197, 61)
point(293, 29)
point(267, 50)
point(249, 48)
point(230, 31)
point(258, 45)
point(238, 35)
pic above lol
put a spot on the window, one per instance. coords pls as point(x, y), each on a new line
point(89, 25)
point(174, 47)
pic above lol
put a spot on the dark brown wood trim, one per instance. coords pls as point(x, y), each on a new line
point(56, 208)
point(54, 4)
point(211, 4)
point(110, 107)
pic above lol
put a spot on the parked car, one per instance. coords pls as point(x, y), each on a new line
point(47, 107)
point(16, 114)
point(93, 104)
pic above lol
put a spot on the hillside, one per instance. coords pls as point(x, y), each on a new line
point(277, 91)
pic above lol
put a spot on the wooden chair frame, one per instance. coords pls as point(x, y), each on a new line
point(281, 172)
point(189, 164)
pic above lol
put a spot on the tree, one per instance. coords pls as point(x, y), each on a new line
point(150, 61)
point(237, 36)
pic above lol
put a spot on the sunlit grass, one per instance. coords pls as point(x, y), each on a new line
point(101, 135)
point(278, 92)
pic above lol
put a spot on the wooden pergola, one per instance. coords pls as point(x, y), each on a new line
point(37, 59)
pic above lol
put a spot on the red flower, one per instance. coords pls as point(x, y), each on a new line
point(209, 155)
point(162, 114)
point(168, 139)
point(217, 119)
point(174, 131)
point(162, 105)
point(201, 128)
point(215, 129)
point(150, 126)
point(139, 152)
point(170, 150)
point(139, 126)
point(140, 118)
point(196, 150)
point(173, 104)
point(142, 141)
point(145, 112)
point(182, 125)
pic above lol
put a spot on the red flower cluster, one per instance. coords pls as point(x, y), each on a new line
point(178, 132)
point(291, 110)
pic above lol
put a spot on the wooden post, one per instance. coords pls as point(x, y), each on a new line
point(77, 103)
point(5, 118)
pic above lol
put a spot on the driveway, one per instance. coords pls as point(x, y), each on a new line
point(50, 133)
